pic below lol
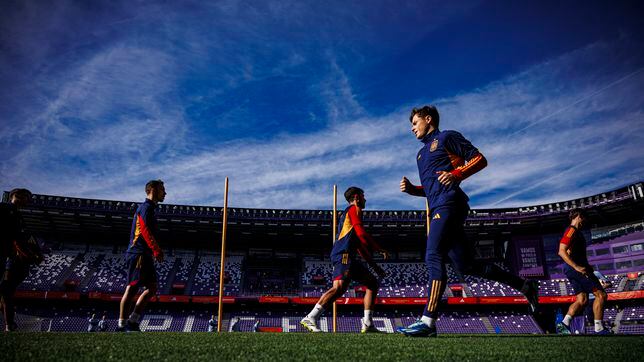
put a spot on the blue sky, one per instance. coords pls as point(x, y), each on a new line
point(288, 98)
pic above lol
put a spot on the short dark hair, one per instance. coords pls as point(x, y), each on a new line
point(424, 112)
point(152, 184)
point(577, 212)
point(351, 192)
point(19, 192)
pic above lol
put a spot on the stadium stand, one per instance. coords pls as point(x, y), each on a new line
point(48, 274)
point(104, 271)
point(110, 275)
point(632, 321)
point(98, 266)
point(206, 278)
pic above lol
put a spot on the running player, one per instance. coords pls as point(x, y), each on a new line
point(572, 249)
point(446, 159)
point(352, 240)
point(14, 262)
point(141, 253)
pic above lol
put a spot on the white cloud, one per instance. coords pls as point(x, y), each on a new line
point(103, 120)
point(108, 123)
point(574, 148)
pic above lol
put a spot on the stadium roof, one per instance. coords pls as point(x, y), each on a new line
point(107, 220)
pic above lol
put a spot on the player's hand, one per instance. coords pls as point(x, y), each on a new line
point(446, 178)
point(406, 186)
point(385, 254)
point(582, 270)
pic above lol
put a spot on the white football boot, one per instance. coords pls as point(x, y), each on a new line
point(310, 324)
point(368, 328)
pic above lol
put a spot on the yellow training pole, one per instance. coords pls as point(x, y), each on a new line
point(223, 258)
point(335, 227)
point(427, 215)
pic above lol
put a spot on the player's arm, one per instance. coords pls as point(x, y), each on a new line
point(367, 243)
point(366, 255)
point(474, 161)
point(407, 187)
point(148, 224)
point(355, 216)
point(564, 245)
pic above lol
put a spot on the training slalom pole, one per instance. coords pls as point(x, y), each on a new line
point(427, 215)
point(223, 258)
point(335, 227)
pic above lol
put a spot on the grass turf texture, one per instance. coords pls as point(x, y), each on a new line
point(312, 347)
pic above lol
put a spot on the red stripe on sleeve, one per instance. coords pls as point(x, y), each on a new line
point(148, 237)
point(473, 165)
point(367, 243)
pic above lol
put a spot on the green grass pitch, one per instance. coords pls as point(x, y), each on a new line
point(313, 347)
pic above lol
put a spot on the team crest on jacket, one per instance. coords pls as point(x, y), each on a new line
point(433, 146)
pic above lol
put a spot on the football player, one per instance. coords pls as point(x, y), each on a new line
point(352, 241)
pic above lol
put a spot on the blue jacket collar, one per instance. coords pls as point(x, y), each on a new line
point(428, 137)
